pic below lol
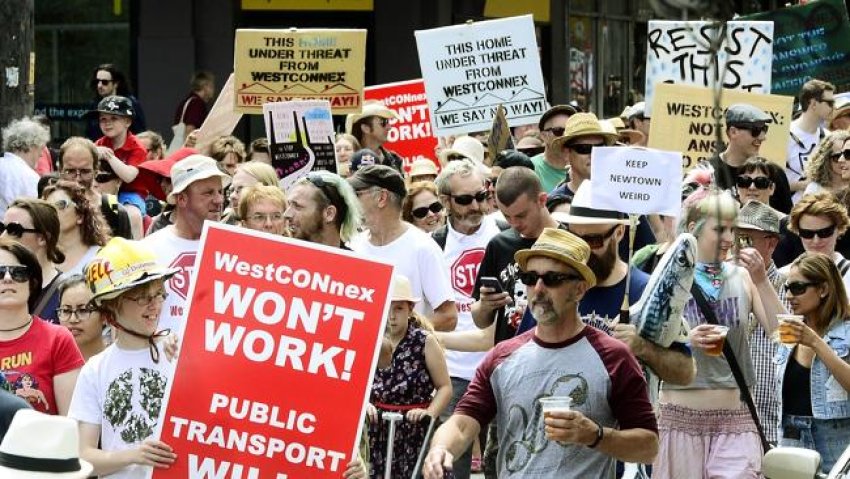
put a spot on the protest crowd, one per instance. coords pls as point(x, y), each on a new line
point(530, 331)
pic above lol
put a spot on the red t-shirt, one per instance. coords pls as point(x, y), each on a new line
point(132, 153)
point(30, 363)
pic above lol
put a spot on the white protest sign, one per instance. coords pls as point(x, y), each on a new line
point(637, 181)
point(469, 70)
point(677, 53)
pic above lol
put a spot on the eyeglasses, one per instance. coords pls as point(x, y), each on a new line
point(102, 81)
point(147, 300)
point(64, 204)
point(464, 200)
point(761, 182)
point(263, 217)
point(455, 157)
point(551, 279)
point(821, 233)
point(15, 229)
point(598, 240)
point(555, 130)
point(64, 313)
point(836, 157)
point(75, 172)
point(830, 102)
point(754, 129)
point(383, 122)
point(583, 149)
point(798, 287)
point(422, 211)
point(18, 273)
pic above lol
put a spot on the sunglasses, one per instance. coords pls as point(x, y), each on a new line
point(821, 233)
point(798, 287)
point(596, 241)
point(422, 211)
point(102, 81)
point(555, 130)
point(551, 279)
point(583, 149)
point(836, 157)
point(15, 229)
point(19, 274)
point(464, 200)
point(455, 157)
point(64, 204)
point(383, 122)
point(761, 182)
point(755, 130)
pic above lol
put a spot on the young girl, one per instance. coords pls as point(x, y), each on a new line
point(81, 318)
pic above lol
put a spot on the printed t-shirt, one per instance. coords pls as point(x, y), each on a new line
point(173, 251)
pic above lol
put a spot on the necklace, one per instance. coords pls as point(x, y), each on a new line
point(18, 327)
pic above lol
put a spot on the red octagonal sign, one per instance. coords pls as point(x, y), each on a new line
point(179, 283)
point(464, 270)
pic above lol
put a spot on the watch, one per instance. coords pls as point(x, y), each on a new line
point(600, 433)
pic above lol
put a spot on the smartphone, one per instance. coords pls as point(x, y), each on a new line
point(491, 282)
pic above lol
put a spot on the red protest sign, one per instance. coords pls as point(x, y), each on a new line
point(276, 359)
point(410, 136)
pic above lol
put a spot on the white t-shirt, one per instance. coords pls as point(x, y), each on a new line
point(17, 180)
point(801, 144)
point(174, 252)
point(415, 255)
point(121, 391)
point(462, 256)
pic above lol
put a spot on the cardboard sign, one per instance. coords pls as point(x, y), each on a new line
point(499, 137)
point(301, 138)
point(684, 120)
point(810, 41)
point(637, 181)
point(471, 69)
point(276, 360)
point(221, 119)
point(410, 136)
point(677, 52)
point(285, 65)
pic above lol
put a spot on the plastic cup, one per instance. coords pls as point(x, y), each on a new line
point(784, 332)
point(555, 404)
point(716, 348)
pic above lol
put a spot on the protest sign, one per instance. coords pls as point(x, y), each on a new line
point(637, 181)
point(677, 52)
point(301, 138)
point(471, 69)
point(810, 41)
point(220, 121)
point(276, 360)
point(410, 135)
point(684, 121)
point(499, 137)
point(284, 65)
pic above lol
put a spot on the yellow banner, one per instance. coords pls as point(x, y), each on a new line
point(512, 8)
point(285, 65)
point(683, 119)
point(363, 5)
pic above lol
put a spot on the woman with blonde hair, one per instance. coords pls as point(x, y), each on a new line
point(345, 146)
point(828, 168)
point(247, 174)
point(82, 229)
point(261, 208)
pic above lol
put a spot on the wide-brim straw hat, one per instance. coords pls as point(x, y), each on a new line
point(370, 108)
point(562, 246)
point(402, 290)
point(122, 265)
point(583, 124)
point(42, 446)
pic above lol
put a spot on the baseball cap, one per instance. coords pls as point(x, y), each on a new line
point(380, 176)
point(114, 105)
point(191, 169)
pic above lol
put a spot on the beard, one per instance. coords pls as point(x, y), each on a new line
point(603, 265)
point(471, 218)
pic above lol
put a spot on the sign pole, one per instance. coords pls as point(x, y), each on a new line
point(624, 308)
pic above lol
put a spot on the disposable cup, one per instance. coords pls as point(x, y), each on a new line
point(784, 335)
point(555, 403)
point(716, 348)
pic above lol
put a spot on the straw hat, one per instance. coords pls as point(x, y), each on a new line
point(402, 290)
point(423, 166)
point(583, 124)
point(561, 246)
point(370, 108)
point(581, 213)
point(41, 446)
point(465, 146)
point(121, 265)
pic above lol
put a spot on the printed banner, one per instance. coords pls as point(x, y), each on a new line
point(410, 136)
point(677, 52)
point(471, 69)
point(285, 65)
point(276, 361)
point(301, 138)
point(684, 121)
point(810, 41)
point(637, 181)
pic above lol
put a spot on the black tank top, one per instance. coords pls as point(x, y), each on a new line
point(796, 389)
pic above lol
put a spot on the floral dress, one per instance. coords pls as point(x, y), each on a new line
point(404, 385)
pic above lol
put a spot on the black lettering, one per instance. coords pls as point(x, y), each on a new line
point(676, 35)
point(759, 37)
point(654, 45)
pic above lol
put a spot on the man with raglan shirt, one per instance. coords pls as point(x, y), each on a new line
point(197, 196)
point(610, 416)
point(551, 165)
point(817, 100)
point(381, 190)
point(468, 229)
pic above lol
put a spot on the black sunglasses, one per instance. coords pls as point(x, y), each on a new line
point(455, 157)
point(837, 156)
point(15, 229)
point(761, 182)
point(821, 233)
point(596, 241)
point(754, 129)
point(464, 200)
point(583, 149)
point(422, 211)
point(798, 287)
point(551, 279)
point(103, 81)
point(555, 130)
point(19, 274)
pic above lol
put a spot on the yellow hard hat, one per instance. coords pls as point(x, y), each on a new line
point(121, 265)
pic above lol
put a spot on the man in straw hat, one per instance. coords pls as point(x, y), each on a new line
point(606, 415)
point(582, 133)
point(551, 165)
point(371, 127)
